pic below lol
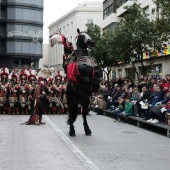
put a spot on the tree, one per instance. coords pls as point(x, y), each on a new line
point(103, 51)
point(164, 5)
point(135, 35)
point(163, 19)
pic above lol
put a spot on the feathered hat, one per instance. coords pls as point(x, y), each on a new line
point(58, 76)
point(4, 73)
point(23, 74)
point(14, 75)
point(32, 75)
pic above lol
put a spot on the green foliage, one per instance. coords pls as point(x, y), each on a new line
point(103, 51)
point(94, 31)
point(134, 35)
point(163, 21)
point(165, 5)
point(136, 32)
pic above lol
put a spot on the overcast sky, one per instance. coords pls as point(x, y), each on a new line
point(54, 9)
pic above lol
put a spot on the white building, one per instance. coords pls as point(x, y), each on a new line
point(110, 18)
point(147, 5)
point(112, 10)
point(68, 24)
point(44, 60)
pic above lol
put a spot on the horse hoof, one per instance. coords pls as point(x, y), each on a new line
point(88, 134)
point(72, 134)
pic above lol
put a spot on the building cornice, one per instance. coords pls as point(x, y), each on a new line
point(17, 21)
point(74, 11)
point(25, 5)
point(23, 55)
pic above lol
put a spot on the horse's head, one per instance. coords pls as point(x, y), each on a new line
point(84, 40)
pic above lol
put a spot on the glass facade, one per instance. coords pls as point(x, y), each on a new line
point(24, 47)
point(23, 28)
point(33, 2)
point(108, 8)
point(21, 22)
point(24, 14)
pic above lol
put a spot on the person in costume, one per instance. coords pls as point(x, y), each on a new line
point(24, 91)
point(59, 92)
point(4, 92)
point(41, 99)
point(32, 80)
point(13, 99)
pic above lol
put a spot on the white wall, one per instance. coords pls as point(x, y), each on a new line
point(44, 60)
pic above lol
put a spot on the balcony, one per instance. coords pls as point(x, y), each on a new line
point(112, 18)
point(121, 9)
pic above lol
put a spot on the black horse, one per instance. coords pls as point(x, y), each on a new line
point(83, 79)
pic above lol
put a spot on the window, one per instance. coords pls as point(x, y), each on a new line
point(113, 74)
point(108, 11)
point(71, 25)
point(24, 14)
point(23, 47)
point(67, 27)
point(120, 72)
point(123, 1)
point(146, 11)
point(109, 7)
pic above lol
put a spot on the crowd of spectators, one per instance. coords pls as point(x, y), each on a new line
point(149, 98)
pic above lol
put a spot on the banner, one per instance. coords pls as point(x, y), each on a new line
point(163, 52)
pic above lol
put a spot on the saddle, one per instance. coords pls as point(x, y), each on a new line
point(90, 61)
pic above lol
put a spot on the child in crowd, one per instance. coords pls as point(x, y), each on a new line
point(128, 110)
point(119, 109)
point(135, 95)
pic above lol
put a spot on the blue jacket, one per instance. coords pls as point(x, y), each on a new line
point(157, 97)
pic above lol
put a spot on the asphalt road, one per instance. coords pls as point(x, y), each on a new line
point(112, 146)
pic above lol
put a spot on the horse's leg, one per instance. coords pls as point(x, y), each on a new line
point(86, 126)
point(85, 101)
point(72, 110)
point(72, 103)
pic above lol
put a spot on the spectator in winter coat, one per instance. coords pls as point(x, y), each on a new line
point(128, 111)
point(101, 105)
point(119, 109)
point(145, 95)
point(108, 92)
point(156, 97)
point(135, 95)
point(111, 100)
point(158, 112)
point(151, 83)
